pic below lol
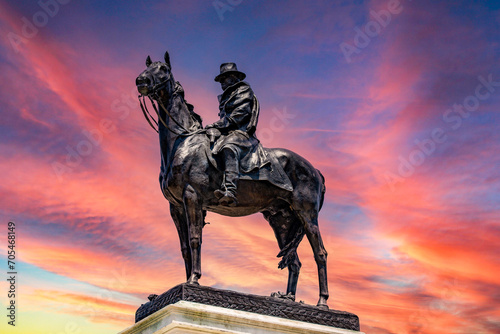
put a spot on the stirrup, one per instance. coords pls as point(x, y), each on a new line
point(227, 199)
point(219, 193)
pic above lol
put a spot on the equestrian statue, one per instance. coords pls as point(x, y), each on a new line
point(223, 168)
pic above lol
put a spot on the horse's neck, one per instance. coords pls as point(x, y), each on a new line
point(178, 110)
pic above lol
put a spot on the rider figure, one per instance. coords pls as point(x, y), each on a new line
point(237, 145)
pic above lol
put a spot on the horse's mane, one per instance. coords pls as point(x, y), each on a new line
point(179, 90)
point(195, 115)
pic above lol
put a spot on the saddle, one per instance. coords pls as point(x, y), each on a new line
point(271, 171)
point(268, 170)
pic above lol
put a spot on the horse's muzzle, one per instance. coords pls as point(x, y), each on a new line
point(143, 85)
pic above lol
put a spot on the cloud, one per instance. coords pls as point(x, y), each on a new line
point(97, 310)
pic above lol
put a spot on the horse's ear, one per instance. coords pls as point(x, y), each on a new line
point(167, 59)
point(148, 61)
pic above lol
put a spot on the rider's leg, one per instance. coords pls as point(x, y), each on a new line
point(227, 195)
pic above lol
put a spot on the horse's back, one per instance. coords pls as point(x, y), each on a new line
point(308, 182)
point(294, 164)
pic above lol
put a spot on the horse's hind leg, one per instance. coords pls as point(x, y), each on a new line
point(285, 226)
point(293, 274)
point(310, 221)
point(179, 218)
point(195, 220)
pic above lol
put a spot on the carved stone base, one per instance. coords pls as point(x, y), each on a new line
point(194, 318)
point(248, 305)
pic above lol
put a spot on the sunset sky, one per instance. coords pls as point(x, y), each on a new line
point(397, 103)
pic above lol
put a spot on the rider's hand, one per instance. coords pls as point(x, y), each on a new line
point(213, 134)
point(217, 125)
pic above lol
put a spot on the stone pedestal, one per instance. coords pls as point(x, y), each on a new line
point(198, 309)
point(193, 318)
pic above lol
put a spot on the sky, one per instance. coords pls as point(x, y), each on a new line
point(396, 102)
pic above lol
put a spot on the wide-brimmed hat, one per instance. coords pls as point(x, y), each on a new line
point(229, 68)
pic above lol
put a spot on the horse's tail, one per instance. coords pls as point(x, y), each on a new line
point(284, 219)
point(323, 190)
point(289, 251)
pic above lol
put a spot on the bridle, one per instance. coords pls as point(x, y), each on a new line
point(156, 88)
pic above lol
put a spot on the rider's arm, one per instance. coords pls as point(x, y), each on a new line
point(239, 113)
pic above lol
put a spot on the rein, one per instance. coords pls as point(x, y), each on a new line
point(148, 116)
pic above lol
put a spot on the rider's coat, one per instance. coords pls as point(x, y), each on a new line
point(239, 113)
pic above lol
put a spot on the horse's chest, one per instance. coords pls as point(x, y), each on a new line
point(174, 184)
point(188, 166)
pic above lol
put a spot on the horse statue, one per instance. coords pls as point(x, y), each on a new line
point(189, 176)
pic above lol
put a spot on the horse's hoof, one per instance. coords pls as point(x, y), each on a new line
point(323, 306)
point(322, 303)
point(193, 280)
point(281, 295)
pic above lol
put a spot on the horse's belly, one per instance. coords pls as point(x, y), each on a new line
point(234, 211)
point(253, 197)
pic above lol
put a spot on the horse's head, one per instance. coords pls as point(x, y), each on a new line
point(156, 80)
point(157, 83)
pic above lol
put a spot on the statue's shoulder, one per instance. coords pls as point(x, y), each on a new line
point(244, 86)
point(240, 92)
point(240, 88)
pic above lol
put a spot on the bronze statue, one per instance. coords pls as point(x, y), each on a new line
point(280, 184)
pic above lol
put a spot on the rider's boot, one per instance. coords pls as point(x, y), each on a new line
point(227, 194)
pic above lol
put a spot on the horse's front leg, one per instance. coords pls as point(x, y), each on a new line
point(180, 221)
point(194, 216)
